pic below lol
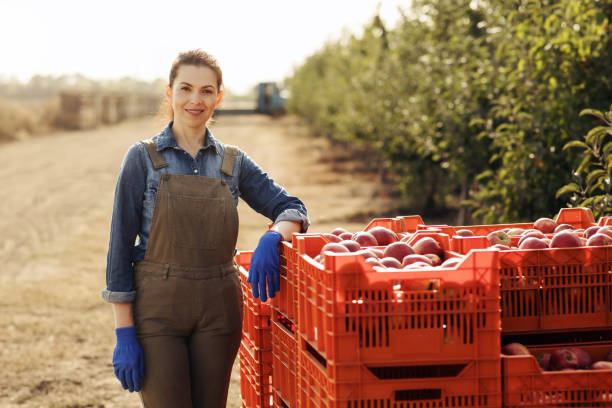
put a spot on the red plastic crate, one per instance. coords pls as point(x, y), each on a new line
point(284, 362)
point(526, 385)
point(453, 383)
point(555, 289)
point(405, 223)
point(256, 325)
point(255, 376)
point(577, 217)
point(603, 221)
point(279, 402)
point(350, 312)
point(443, 239)
point(285, 301)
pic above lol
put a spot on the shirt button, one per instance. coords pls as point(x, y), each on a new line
point(195, 171)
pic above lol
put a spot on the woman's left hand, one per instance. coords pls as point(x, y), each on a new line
point(264, 270)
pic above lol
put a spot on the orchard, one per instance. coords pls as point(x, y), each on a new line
point(473, 107)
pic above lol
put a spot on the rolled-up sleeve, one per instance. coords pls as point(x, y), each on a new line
point(267, 197)
point(125, 225)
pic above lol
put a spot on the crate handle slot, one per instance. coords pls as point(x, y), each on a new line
point(428, 371)
point(416, 395)
point(316, 355)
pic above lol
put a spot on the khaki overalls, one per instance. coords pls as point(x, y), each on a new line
point(188, 307)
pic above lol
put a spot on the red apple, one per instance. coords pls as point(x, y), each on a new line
point(331, 237)
point(501, 247)
point(591, 231)
point(515, 231)
point(562, 227)
point(464, 233)
point(533, 243)
point(515, 349)
point(417, 265)
point(565, 239)
point(605, 230)
point(451, 262)
point(377, 252)
point(384, 236)
point(345, 235)
point(366, 253)
point(390, 262)
point(338, 231)
point(365, 238)
point(498, 237)
point(601, 365)
point(599, 240)
point(352, 246)
point(562, 359)
point(398, 250)
point(544, 361)
point(410, 259)
point(583, 356)
point(546, 225)
point(531, 234)
point(333, 247)
point(373, 262)
point(435, 259)
point(427, 245)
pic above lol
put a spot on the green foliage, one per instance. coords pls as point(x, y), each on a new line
point(468, 102)
point(591, 187)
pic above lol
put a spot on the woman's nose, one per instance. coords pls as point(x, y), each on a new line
point(196, 97)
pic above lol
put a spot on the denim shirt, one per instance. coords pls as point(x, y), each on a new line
point(135, 198)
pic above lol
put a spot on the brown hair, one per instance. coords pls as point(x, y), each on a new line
point(192, 57)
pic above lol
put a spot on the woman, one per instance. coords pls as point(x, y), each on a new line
point(170, 274)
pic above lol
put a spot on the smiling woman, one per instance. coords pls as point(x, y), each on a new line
point(171, 275)
point(212, 81)
point(193, 95)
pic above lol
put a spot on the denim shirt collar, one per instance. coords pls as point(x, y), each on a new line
point(165, 139)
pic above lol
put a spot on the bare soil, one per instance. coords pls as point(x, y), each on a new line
point(56, 333)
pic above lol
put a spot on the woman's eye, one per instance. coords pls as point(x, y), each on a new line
point(185, 88)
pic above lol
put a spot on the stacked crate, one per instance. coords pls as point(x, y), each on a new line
point(340, 334)
point(551, 298)
point(255, 353)
point(404, 339)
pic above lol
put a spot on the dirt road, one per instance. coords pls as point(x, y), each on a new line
point(56, 335)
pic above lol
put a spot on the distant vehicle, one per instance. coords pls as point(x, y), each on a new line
point(271, 99)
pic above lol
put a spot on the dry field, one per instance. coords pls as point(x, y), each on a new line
point(56, 333)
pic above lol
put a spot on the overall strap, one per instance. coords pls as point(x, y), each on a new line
point(229, 158)
point(156, 157)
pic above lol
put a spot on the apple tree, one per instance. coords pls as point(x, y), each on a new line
point(591, 185)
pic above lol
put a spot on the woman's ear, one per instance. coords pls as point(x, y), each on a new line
point(169, 94)
point(219, 97)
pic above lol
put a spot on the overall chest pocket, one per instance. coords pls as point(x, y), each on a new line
point(197, 223)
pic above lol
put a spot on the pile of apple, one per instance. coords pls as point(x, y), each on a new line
point(546, 233)
point(397, 254)
point(563, 359)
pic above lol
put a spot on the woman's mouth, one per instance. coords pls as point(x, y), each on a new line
point(194, 112)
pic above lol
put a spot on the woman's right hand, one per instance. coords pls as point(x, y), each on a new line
point(128, 359)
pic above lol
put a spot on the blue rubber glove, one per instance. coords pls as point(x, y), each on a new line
point(264, 270)
point(128, 359)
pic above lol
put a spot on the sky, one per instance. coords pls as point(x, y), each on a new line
point(253, 40)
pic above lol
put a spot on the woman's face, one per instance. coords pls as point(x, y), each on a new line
point(194, 95)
